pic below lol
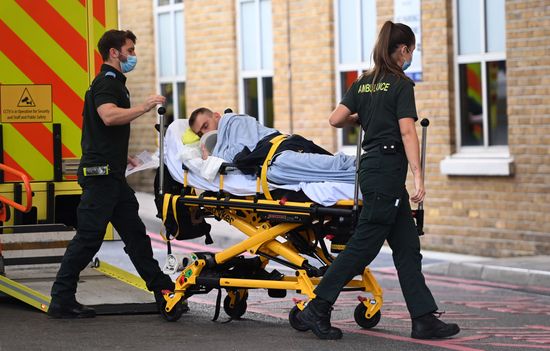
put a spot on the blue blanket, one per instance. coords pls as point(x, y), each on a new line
point(235, 132)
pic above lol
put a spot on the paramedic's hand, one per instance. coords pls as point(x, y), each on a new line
point(132, 162)
point(354, 120)
point(153, 101)
point(419, 191)
point(204, 152)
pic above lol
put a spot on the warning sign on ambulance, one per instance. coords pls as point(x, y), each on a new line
point(25, 103)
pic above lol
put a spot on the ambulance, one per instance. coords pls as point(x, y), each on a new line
point(48, 58)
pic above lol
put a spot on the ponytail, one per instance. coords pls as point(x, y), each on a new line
point(390, 37)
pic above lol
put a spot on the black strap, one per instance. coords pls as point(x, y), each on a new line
point(218, 303)
point(208, 239)
point(217, 310)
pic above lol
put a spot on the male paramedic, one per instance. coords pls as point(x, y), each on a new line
point(242, 140)
point(106, 196)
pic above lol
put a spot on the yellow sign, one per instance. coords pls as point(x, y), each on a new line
point(25, 103)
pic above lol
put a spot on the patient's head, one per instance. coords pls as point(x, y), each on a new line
point(203, 120)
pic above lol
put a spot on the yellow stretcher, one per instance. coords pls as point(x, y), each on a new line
point(290, 233)
point(300, 227)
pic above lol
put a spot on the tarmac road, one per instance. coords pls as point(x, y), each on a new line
point(492, 315)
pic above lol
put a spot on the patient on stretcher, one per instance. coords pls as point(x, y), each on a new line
point(242, 140)
point(182, 146)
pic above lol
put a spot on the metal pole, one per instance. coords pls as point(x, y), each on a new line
point(357, 162)
point(424, 123)
point(419, 213)
point(161, 111)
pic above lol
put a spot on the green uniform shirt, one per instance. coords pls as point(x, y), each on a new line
point(380, 106)
point(101, 144)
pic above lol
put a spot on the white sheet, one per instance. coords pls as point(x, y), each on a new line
point(236, 183)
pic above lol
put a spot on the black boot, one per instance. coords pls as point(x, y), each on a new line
point(316, 317)
point(429, 326)
point(69, 310)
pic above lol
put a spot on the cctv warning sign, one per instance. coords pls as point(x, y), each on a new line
point(20, 103)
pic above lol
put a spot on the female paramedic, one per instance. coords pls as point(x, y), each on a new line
point(382, 101)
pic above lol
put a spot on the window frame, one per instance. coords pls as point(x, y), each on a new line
point(175, 79)
point(258, 73)
point(475, 160)
point(359, 67)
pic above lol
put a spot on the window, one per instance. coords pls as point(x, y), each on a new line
point(256, 59)
point(482, 121)
point(170, 33)
point(355, 37)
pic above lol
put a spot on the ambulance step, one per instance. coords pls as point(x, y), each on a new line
point(34, 228)
point(126, 308)
point(108, 296)
point(21, 261)
point(34, 247)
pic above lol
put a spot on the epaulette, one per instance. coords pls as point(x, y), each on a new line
point(110, 74)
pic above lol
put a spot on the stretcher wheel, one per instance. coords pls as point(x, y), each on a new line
point(239, 307)
point(362, 320)
point(293, 319)
point(175, 314)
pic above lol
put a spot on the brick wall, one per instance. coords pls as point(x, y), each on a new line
point(211, 44)
point(137, 16)
point(282, 100)
point(312, 69)
point(495, 216)
point(434, 96)
point(528, 77)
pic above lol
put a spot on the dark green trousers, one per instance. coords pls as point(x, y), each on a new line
point(386, 215)
point(107, 199)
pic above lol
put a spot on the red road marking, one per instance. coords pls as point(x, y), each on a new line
point(184, 244)
point(446, 344)
point(536, 334)
point(520, 346)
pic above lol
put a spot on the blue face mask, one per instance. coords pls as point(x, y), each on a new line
point(406, 64)
point(129, 64)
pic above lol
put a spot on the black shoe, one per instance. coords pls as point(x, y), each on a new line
point(429, 326)
point(161, 302)
point(316, 317)
point(70, 310)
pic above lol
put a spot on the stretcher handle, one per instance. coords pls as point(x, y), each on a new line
point(28, 190)
point(419, 213)
point(161, 111)
point(357, 162)
point(424, 123)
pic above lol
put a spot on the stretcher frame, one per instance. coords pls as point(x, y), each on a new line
point(246, 215)
point(251, 216)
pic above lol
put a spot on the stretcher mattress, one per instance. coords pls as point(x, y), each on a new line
point(235, 182)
